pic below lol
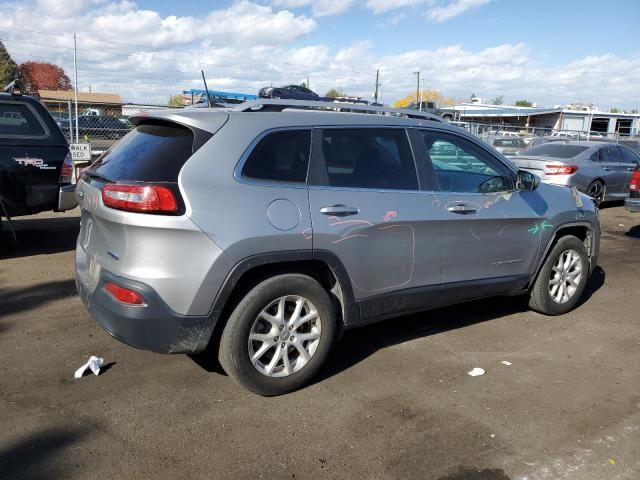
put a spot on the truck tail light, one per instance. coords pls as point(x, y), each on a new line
point(124, 295)
point(635, 180)
point(561, 169)
point(139, 198)
point(66, 172)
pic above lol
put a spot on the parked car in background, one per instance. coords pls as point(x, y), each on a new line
point(508, 145)
point(292, 92)
point(285, 246)
point(36, 170)
point(602, 170)
point(632, 203)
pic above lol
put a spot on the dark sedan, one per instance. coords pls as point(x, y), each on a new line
point(289, 92)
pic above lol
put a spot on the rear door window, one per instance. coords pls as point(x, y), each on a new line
point(610, 154)
point(153, 152)
point(629, 156)
point(19, 120)
point(280, 157)
point(369, 158)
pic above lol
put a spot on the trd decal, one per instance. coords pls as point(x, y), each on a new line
point(27, 161)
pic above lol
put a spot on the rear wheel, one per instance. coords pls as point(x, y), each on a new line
point(562, 278)
point(279, 335)
point(597, 191)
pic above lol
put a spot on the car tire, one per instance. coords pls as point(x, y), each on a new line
point(258, 312)
point(558, 275)
point(597, 190)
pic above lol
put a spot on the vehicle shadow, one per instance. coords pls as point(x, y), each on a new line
point(358, 344)
point(14, 300)
point(37, 236)
point(634, 232)
point(33, 456)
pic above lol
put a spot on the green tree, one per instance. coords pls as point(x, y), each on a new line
point(8, 68)
point(335, 93)
point(498, 100)
point(614, 110)
point(524, 103)
point(175, 100)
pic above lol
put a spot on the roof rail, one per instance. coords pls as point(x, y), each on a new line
point(270, 105)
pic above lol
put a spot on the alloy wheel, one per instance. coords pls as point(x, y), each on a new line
point(284, 336)
point(566, 274)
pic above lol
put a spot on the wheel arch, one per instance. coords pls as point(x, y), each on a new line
point(323, 266)
point(584, 231)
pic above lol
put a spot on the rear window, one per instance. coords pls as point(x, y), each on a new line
point(508, 142)
point(18, 120)
point(556, 150)
point(280, 157)
point(149, 153)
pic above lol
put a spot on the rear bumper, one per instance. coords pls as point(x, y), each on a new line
point(66, 198)
point(153, 326)
point(632, 204)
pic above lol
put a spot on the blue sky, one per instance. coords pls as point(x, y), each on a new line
point(551, 52)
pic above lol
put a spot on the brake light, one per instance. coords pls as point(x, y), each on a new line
point(66, 172)
point(635, 181)
point(124, 295)
point(139, 198)
point(561, 169)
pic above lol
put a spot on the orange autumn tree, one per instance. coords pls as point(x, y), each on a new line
point(425, 96)
point(38, 76)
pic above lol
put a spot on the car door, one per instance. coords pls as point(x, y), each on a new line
point(614, 171)
point(491, 235)
point(368, 210)
point(631, 160)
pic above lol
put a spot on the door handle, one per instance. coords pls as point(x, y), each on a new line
point(462, 209)
point(606, 169)
point(339, 210)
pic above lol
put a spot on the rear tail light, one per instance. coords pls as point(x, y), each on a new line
point(66, 172)
point(635, 180)
point(561, 169)
point(124, 295)
point(139, 198)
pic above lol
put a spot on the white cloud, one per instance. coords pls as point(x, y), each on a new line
point(442, 13)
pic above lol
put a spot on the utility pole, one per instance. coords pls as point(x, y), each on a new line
point(418, 90)
point(375, 95)
point(75, 90)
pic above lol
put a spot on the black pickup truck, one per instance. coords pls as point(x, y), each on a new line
point(36, 169)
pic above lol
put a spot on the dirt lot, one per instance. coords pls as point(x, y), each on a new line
point(394, 402)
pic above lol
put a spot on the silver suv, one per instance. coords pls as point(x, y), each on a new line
point(270, 228)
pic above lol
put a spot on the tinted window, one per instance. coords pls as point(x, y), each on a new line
point(629, 156)
point(558, 150)
point(369, 158)
point(280, 157)
point(18, 120)
point(509, 142)
point(610, 153)
point(149, 153)
point(462, 166)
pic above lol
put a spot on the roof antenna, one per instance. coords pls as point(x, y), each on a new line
point(206, 89)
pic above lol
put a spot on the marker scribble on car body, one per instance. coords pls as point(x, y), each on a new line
point(539, 227)
point(307, 233)
point(390, 215)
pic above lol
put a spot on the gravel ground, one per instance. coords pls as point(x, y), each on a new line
point(394, 401)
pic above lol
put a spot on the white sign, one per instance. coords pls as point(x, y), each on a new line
point(81, 152)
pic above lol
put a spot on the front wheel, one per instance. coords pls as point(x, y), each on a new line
point(279, 335)
point(562, 279)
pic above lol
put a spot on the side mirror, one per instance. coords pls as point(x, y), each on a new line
point(527, 181)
